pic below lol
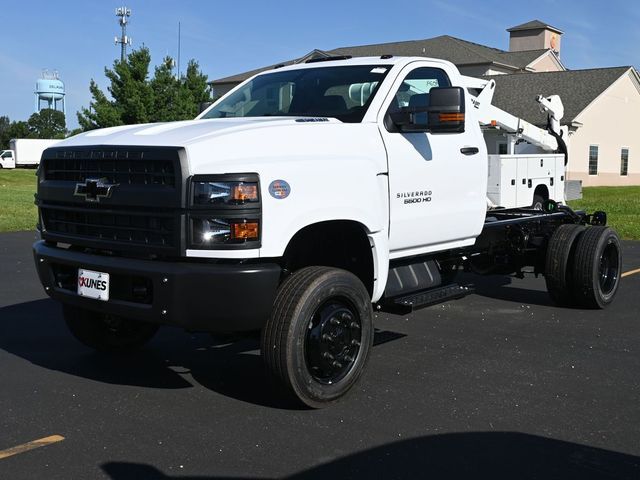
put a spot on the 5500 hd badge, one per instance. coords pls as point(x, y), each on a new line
point(419, 196)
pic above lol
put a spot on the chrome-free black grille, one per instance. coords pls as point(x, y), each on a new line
point(121, 166)
point(137, 229)
point(142, 212)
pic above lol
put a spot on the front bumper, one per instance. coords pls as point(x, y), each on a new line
point(215, 297)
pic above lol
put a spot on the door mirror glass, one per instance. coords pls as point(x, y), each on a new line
point(446, 110)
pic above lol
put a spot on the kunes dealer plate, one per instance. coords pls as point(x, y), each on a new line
point(93, 284)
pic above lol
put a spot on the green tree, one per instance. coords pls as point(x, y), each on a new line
point(137, 99)
point(172, 100)
point(18, 129)
point(196, 82)
point(5, 124)
point(101, 113)
point(47, 123)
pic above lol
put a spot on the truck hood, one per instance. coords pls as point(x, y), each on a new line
point(184, 133)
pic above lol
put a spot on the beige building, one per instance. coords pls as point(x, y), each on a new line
point(602, 106)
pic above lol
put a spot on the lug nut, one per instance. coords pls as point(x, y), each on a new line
point(348, 358)
point(334, 321)
point(346, 316)
point(336, 364)
point(327, 338)
point(355, 343)
point(327, 356)
point(354, 325)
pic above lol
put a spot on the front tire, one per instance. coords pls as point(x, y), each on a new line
point(107, 333)
point(318, 338)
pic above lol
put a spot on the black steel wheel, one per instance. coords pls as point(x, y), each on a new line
point(320, 333)
point(107, 333)
point(559, 263)
point(597, 267)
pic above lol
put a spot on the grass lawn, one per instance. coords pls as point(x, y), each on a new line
point(17, 211)
point(622, 205)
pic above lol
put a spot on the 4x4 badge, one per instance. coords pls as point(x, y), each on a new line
point(93, 189)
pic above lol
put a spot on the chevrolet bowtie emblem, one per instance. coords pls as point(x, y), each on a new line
point(93, 189)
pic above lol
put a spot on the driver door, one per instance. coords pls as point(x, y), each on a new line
point(437, 187)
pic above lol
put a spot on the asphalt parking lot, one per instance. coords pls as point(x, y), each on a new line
point(497, 385)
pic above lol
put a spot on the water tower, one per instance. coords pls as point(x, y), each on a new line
point(50, 89)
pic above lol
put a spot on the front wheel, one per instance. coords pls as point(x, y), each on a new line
point(318, 338)
point(107, 333)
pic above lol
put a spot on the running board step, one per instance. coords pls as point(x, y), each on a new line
point(427, 298)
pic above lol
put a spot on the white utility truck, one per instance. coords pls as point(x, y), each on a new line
point(298, 203)
point(24, 152)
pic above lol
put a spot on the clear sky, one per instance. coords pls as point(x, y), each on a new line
point(228, 37)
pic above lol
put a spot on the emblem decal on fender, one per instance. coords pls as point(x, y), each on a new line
point(279, 189)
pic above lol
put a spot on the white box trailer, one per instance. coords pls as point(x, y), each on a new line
point(28, 151)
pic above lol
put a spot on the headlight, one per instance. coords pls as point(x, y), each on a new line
point(225, 211)
point(216, 193)
point(211, 232)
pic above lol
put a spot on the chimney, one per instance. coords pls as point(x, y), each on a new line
point(534, 35)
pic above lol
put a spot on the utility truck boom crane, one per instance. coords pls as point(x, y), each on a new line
point(550, 139)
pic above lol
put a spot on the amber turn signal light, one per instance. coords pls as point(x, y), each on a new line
point(245, 231)
point(244, 192)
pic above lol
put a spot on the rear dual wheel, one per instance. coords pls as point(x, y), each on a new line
point(583, 266)
point(320, 333)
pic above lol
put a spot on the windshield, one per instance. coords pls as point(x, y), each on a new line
point(340, 92)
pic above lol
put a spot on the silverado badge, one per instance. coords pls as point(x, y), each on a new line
point(93, 189)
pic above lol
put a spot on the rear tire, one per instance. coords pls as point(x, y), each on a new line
point(317, 341)
point(107, 333)
point(559, 263)
point(597, 267)
point(538, 202)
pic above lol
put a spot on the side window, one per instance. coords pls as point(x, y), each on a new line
point(6, 155)
point(624, 161)
point(414, 91)
point(593, 159)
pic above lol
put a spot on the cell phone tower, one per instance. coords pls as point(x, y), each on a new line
point(124, 13)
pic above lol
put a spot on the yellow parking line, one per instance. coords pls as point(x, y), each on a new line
point(631, 272)
point(25, 447)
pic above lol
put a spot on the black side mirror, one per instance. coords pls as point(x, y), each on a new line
point(446, 110)
point(409, 120)
point(203, 106)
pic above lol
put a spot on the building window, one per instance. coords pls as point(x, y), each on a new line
point(624, 161)
point(593, 160)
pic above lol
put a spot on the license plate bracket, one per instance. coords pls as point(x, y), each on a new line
point(92, 284)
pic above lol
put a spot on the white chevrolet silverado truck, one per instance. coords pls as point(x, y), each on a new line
point(296, 205)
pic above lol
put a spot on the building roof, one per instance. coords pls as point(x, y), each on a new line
point(534, 25)
point(455, 50)
point(577, 89)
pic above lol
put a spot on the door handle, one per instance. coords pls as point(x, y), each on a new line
point(469, 150)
